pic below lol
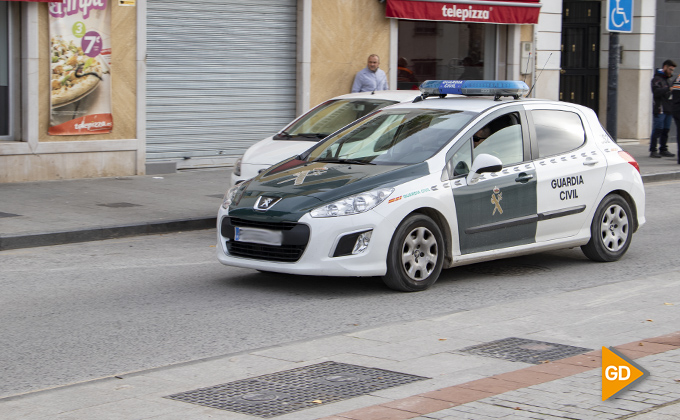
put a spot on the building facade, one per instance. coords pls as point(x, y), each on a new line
point(194, 82)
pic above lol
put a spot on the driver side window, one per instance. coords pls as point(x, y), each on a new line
point(501, 138)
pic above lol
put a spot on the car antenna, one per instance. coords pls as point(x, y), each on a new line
point(539, 75)
point(527, 69)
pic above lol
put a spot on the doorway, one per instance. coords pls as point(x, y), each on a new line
point(580, 67)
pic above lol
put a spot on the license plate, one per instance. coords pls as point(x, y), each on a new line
point(258, 236)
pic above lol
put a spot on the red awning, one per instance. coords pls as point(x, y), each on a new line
point(481, 11)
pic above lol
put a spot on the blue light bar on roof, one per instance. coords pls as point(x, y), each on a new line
point(495, 88)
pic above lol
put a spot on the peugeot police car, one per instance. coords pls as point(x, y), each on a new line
point(449, 179)
point(314, 125)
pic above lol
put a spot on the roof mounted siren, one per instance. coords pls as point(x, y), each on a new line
point(495, 88)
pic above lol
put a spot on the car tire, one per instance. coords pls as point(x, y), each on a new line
point(611, 230)
point(415, 256)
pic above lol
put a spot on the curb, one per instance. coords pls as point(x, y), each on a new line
point(107, 232)
point(664, 176)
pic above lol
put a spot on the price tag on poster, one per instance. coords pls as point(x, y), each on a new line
point(80, 67)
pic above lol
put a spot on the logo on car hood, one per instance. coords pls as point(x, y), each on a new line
point(298, 178)
point(264, 203)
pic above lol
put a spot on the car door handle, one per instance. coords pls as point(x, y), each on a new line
point(524, 178)
point(590, 161)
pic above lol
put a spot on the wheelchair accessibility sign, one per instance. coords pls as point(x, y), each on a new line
point(620, 15)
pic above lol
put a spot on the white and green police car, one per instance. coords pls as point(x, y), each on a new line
point(450, 179)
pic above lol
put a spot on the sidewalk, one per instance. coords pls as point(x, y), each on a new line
point(444, 379)
point(57, 212)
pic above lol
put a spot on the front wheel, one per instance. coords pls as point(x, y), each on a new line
point(415, 256)
point(611, 230)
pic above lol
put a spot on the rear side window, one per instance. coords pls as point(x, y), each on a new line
point(557, 131)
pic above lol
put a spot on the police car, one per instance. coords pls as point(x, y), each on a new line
point(314, 125)
point(449, 179)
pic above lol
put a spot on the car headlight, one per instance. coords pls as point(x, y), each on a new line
point(353, 204)
point(234, 194)
point(229, 197)
point(237, 166)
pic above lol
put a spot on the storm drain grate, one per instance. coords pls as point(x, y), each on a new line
point(118, 205)
point(524, 350)
point(296, 389)
point(9, 214)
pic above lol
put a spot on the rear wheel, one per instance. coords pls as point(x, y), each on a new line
point(415, 256)
point(611, 230)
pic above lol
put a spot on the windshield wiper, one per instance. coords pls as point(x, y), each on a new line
point(313, 135)
point(350, 161)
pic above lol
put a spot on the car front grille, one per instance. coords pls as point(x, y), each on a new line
point(236, 221)
point(283, 253)
point(294, 243)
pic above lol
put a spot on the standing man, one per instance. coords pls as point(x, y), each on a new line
point(675, 106)
point(663, 115)
point(370, 78)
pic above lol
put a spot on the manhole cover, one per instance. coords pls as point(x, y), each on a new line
point(341, 378)
point(117, 205)
point(9, 214)
point(296, 389)
point(524, 350)
point(260, 396)
point(505, 269)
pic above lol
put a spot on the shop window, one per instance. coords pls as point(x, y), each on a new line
point(9, 71)
point(444, 50)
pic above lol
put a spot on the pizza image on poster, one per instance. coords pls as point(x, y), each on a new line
point(80, 68)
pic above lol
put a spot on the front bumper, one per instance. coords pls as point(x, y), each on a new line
point(317, 256)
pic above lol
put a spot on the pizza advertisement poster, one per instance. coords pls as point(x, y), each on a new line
point(80, 67)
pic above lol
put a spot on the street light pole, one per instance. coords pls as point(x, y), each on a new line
point(613, 83)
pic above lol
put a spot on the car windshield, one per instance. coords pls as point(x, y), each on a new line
point(330, 117)
point(396, 136)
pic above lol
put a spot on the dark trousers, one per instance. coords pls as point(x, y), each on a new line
point(660, 128)
point(677, 137)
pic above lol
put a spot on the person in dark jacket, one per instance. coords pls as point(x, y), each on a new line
point(675, 109)
point(661, 92)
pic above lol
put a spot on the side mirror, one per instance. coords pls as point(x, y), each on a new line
point(483, 164)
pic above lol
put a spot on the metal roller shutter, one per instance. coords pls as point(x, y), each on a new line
point(220, 76)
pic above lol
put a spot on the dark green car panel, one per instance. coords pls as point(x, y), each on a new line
point(303, 186)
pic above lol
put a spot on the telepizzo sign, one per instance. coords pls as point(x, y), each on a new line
point(498, 11)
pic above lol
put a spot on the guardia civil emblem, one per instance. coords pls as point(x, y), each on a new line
point(496, 197)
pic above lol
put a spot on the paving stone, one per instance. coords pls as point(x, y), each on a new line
point(493, 385)
point(526, 377)
point(457, 394)
point(672, 339)
point(646, 347)
point(378, 412)
point(420, 405)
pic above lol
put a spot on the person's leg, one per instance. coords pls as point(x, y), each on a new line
point(657, 125)
point(677, 135)
point(663, 138)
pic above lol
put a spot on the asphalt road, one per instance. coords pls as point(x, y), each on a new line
point(76, 312)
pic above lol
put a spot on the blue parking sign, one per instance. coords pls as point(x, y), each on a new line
point(620, 15)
